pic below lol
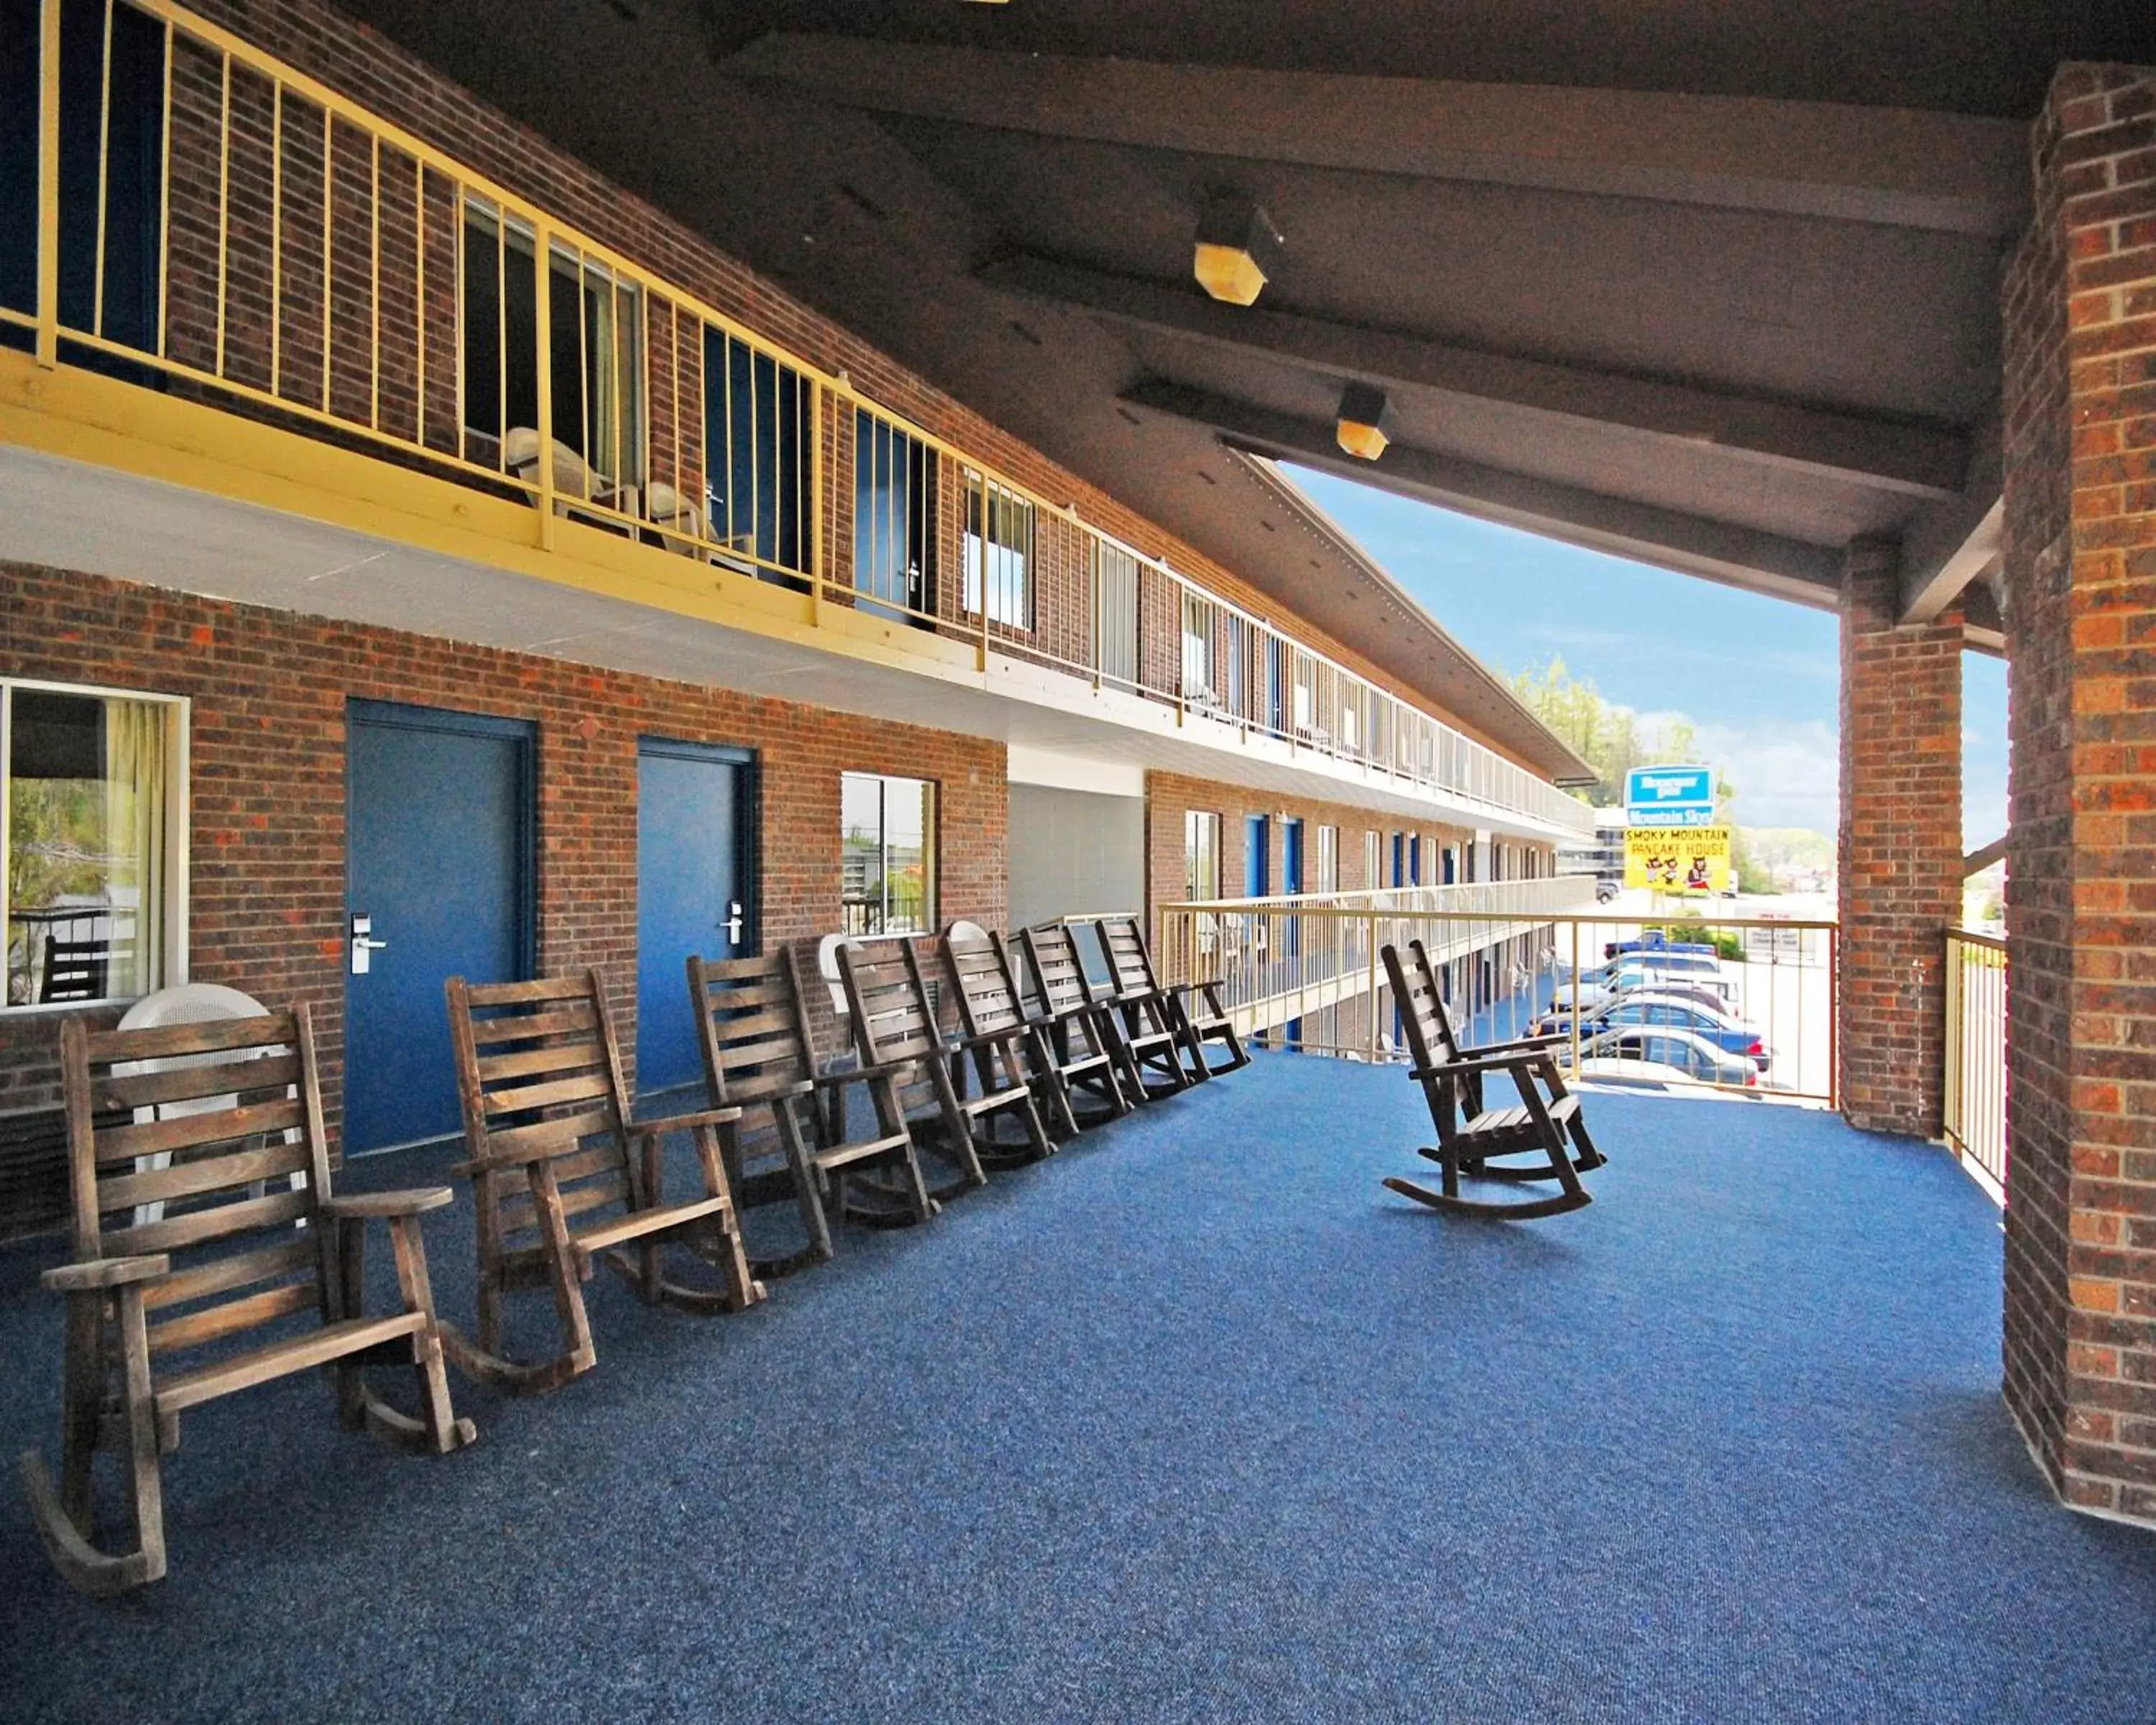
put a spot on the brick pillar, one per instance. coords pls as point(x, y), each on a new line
point(1900, 846)
point(2080, 315)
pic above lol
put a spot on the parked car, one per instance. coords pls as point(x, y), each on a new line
point(1657, 1009)
point(1670, 973)
point(1684, 1050)
point(1655, 940)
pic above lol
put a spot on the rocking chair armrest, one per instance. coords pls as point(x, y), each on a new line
point(849, 1075)
point(1522, 1043)
point(96, 1274)
point(1489, 1063)
point(361, 1206)
point(686, 1123)
point(987, 1038)
point(511, 1161)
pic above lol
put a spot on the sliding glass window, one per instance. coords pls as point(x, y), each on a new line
point(887, 853)
point(998, 552)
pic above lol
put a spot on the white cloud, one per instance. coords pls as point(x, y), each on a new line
point(1786, 775)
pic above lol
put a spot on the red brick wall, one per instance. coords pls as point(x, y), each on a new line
point(1900, 845)
point(372, 71)
point(2080, 313)
point(267, 836)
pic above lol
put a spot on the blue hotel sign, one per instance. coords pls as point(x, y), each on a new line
point(1670, 797)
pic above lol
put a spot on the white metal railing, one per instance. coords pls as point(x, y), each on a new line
point(1306, 971)
point(1974, 1113)
point(291, 254)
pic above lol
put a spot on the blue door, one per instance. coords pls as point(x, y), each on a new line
point(695, 847)
point(1257, 862)
point(439, 813)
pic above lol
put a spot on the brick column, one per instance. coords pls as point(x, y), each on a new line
point(1900, 846)
point(2080, 312)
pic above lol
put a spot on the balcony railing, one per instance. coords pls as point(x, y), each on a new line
point(213, 223)
point(1751, 1012)
point(1975, 1111)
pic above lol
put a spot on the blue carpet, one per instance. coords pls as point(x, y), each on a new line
point(1193, 1422)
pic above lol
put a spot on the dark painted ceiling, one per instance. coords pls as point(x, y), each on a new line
point(1711, 283)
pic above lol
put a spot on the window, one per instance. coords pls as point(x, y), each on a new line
point(1198, 652)
point(893, 515)
point(594, 365)
point(1201, 854)
point(887, 853)
point(1115, 613)
point(95, 831)
point(1001, 553)
point(756, 466)
point(1328, 860)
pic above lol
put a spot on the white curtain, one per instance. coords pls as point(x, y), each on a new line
point(134, 817)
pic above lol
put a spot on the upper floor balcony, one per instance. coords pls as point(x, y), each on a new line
point(390, 342)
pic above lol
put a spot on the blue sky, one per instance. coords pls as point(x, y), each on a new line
point(1758, 678)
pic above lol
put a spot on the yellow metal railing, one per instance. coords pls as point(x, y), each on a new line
point(1976, 1034)
point(1744, 1005)
point(316, 265)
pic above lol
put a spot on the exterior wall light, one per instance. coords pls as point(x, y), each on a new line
point(1366, 422)
point(1237, 247)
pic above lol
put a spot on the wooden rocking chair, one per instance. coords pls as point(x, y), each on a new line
point(225, 1106)
point(1470, 1134)
point(1199, 1017)
point(759, 1055)
point(895, 1026)
point(1141, 1021)
point(989, 1001)
point(548, 1128)
point(1080, 1044)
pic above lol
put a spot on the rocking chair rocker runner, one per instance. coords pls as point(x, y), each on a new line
point(895, 1026)
point(225, 1106)
point(759, 1056)
point(548, 1126)
point(1468, 1133)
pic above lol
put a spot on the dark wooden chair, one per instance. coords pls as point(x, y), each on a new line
point(894, 1024)
point(1199, 1017)
point(1080, 1045)
point(1473, 1133)
point(1142, 1023)
point(991, 1000)
point(549, 1129)
point(225, 1106)
point(760, 1058)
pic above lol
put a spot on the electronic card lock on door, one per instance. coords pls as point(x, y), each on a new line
point(364, 946)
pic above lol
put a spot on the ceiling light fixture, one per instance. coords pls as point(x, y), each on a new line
point(1238, 247)
point(1366, 422)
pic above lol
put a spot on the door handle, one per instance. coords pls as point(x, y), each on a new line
point(733, 922)
point(364, 946)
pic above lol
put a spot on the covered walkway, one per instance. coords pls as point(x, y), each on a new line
point(1192, 1422)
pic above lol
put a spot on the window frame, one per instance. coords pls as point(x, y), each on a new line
point(1193, 819)
point(172, 961)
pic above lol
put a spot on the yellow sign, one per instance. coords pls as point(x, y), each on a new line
point(1677, 858)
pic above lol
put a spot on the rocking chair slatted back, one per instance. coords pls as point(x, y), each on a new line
point(1130, 965)
point(888, 998)
point(987, 992)
point(540, 1066)
point(1059, 974)
point(189, 1170)
point(754, 1026)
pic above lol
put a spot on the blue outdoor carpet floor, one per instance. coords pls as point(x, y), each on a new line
point(1193, 1422)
